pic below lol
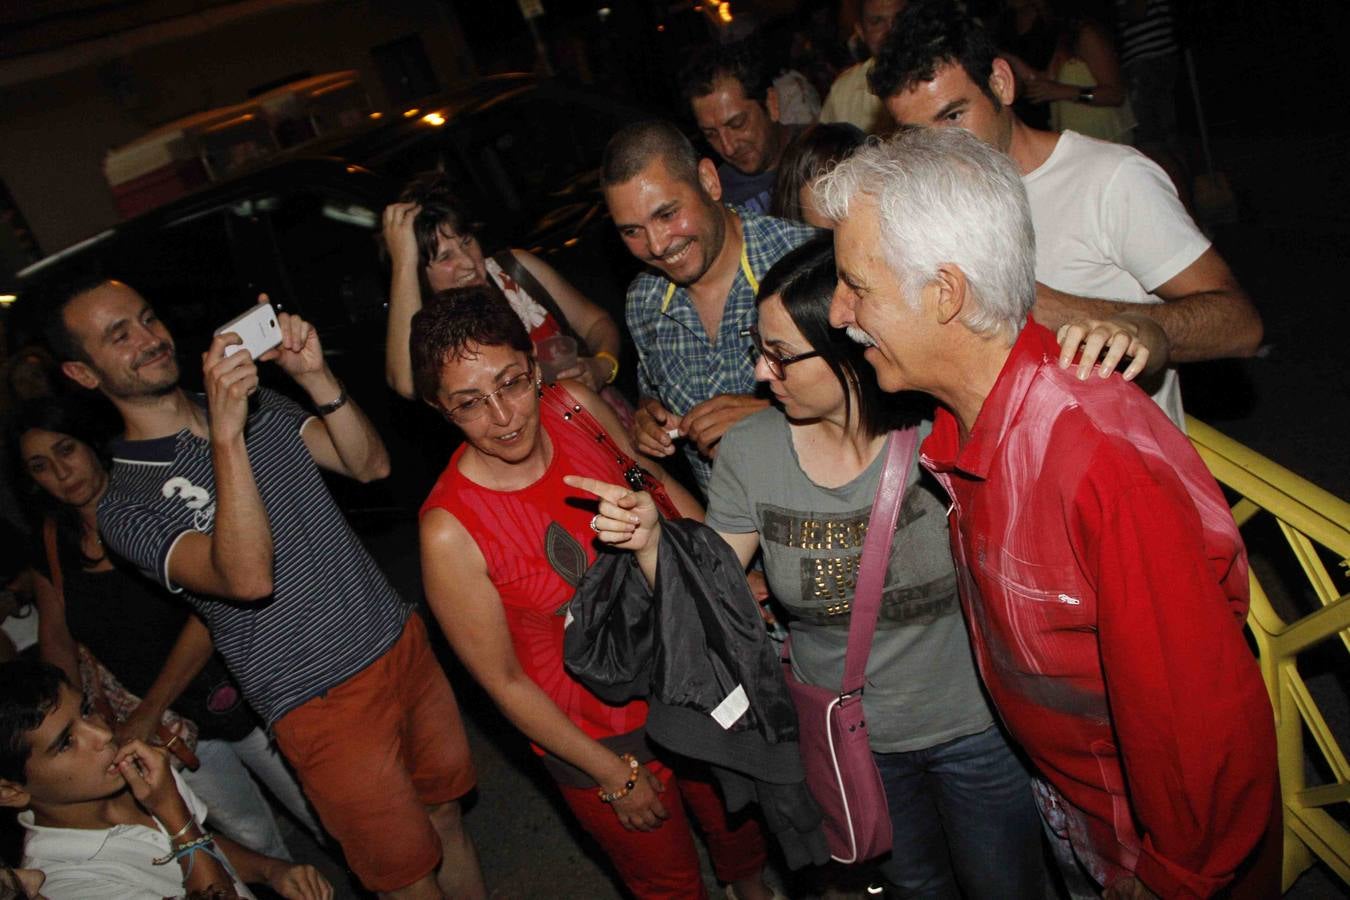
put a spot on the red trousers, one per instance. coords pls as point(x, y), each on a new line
point(663, 864)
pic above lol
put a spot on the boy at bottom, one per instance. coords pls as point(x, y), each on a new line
point(113, 822)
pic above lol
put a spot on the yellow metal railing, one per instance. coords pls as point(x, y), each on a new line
point(1308, 517)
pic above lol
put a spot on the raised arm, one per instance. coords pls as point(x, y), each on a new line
point(405, 294)
point(1205, 312)
point(1095, 49)
point(469, 610)
point(342, 439)
point(235, 559)
point(592, 323)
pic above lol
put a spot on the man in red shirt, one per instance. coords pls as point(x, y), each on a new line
point(1101, 571)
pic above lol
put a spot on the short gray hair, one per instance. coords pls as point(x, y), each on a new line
point(945, 196)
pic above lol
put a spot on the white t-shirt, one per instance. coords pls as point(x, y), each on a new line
point(1109, 226)
point(109, 863)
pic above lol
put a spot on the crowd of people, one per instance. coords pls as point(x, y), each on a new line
point(1058, 694)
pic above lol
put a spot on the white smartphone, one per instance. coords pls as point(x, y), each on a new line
point(257, 328)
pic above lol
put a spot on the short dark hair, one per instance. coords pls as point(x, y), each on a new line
point(634, 147)
point(455, 319)
point(442, 207)
point(804, 279)
point(811, 155)
point(927, 35)
point(29, 690)
point(60, 341)
point(743, 61)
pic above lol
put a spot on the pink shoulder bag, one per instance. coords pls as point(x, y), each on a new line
point(840, 771)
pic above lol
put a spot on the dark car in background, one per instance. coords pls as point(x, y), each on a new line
point(305, 229)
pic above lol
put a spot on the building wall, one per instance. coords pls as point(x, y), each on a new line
point(56, 131)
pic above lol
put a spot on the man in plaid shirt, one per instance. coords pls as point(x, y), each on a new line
point(688, 313)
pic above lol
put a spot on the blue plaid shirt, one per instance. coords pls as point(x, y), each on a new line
point(677, 363)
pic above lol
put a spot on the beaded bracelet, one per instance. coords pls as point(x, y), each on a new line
point(611, 796)
point(182, 850)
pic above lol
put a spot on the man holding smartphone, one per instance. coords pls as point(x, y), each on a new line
point(227, 505)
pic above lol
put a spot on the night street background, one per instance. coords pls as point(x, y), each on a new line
point(1272, 83)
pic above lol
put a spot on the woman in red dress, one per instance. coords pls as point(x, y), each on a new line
point(504, 543)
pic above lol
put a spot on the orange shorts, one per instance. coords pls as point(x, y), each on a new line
point(374, 752)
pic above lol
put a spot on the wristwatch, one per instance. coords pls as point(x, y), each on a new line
point(327, 409)
point(1086, 95)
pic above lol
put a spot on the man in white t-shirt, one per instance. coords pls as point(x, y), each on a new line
point(97, 816)
point(1112, 238)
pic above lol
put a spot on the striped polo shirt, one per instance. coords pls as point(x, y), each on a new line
point(332, 612)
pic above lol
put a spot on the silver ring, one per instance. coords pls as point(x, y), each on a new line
point(594, 527)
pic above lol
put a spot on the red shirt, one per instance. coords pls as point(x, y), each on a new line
point(1105, 584)
point(537, 543)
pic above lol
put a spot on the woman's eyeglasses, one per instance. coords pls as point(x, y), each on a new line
point(776, 362)
point(512, 389)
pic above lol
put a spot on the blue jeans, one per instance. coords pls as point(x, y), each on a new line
point(962, 814)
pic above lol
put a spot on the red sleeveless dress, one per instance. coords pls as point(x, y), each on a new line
point(537, 542)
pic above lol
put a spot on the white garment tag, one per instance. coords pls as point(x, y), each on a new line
point(732, 708)
point(569, 618)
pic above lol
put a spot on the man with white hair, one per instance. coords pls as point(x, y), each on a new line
point(1101, 572)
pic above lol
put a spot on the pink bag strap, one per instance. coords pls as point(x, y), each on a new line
point(901, 451)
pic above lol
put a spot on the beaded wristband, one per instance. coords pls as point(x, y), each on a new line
point(611, 796)
point(184, 849)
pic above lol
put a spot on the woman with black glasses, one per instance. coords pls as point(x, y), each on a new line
point(505, 541)
point(796, 483)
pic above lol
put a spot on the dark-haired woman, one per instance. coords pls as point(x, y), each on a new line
point(504, 542)
point(148, 639)
point(433, 246)
point(796, 482)
point(808, 157)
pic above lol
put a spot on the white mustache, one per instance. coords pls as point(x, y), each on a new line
point(857, 334)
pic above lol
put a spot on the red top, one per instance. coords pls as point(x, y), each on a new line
point(537, 542)
point(1105, 584)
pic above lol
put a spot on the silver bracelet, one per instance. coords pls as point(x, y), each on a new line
point(182, 831)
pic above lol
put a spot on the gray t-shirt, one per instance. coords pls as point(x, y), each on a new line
point(921, 684)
